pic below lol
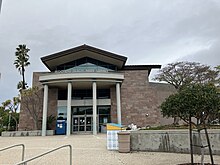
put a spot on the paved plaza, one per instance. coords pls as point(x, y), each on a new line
point(87, 150)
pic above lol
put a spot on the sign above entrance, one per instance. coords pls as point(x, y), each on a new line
point(81, 70)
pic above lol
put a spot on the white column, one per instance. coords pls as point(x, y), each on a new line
point(118, 99)
point(94, 108)
point(69, 98)
point(45, 105)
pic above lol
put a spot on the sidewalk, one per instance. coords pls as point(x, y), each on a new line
point(87, 150)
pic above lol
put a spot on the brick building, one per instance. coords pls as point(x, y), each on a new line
point(89, 87)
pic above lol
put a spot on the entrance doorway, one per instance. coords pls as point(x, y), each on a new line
point(82, 119)
point(82, 124)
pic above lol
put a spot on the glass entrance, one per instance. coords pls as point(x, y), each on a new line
point(88, 123)
point(82, 123)
point(82, 119)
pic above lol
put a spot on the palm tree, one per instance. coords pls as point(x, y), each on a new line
point(22, 60)
point(20, 86)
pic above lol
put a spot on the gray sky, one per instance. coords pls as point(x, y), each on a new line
point(146, 31)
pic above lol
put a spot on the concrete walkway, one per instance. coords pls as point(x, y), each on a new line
point(87, 150)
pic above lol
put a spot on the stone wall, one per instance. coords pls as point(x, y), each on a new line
point(52, 106)
point(140, 100)
point(176, 141)
point(26, 121)
point(113, 105)
point(35, 105)
point(26, 133)
point(162, 92)
point(35, 80)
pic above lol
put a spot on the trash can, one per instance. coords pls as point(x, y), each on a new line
point(124, 142)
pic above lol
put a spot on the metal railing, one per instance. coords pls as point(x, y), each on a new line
point(16, 145)
point(45, 153)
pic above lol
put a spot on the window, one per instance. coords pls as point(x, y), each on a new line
point(86, 64)
point(83, 94)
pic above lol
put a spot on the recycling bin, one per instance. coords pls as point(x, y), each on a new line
point(61, 127)
point(124, 142)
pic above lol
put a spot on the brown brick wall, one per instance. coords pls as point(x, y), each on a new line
point(140, 100)
point(163, 91)
point(35, 80)
point(113, 105)
point(25, 120)
point(52, 105)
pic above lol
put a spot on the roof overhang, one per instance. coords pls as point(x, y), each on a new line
point(56, 59)
point(141, 67)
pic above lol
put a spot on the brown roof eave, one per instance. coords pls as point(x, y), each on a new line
point(141, 67)
point(83, 47)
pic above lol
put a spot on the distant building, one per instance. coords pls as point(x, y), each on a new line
point(89, 87)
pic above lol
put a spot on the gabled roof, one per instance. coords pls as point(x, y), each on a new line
point(56, 59)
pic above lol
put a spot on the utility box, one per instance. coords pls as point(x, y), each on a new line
point(124, 142)
point(61, 127)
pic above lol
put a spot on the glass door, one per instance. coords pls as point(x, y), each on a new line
point(75, 124)
point(82, 124)
point(82, 119)
point(88, 123)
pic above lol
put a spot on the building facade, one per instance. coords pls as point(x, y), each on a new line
point(89, 87)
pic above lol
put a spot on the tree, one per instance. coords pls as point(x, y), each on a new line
point(22, 61)
point(11, 107)
point(181, 74)
point(218, 78)
point(199, 101)
point(31, 100)
point(3, 119)
point(20, 86)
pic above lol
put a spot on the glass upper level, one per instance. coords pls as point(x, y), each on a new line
point(86, 64)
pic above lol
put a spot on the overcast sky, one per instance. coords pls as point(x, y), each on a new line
point(146, 31)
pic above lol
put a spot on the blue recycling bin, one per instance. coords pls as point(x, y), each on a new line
point(61, 127)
